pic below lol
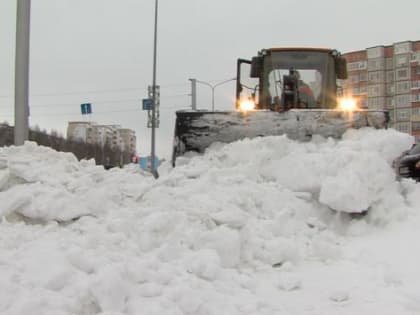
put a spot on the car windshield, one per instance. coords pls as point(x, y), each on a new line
point(415, 149)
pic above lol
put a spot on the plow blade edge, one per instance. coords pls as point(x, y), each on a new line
point(197, 130)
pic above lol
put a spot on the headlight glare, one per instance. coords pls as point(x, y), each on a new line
point(347, 104)
point(246, 105)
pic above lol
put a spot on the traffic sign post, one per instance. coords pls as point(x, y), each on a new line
point(86, 108)
point(156, 107)
point(154, 113)
point(146, 163)
point(147, 104)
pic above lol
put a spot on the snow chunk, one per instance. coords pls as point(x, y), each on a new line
point(233, 218)
point(225, 241)
point(339, 296)
point(110, 290)
point(205, 264)
point(288, 282)
point(150, 290)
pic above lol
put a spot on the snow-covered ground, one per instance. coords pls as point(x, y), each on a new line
point(254, 227)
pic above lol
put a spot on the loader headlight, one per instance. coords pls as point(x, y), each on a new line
point(418, 165)
point(246, 105)
point(347, 104)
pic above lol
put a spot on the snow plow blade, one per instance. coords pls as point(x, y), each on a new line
point(197, 130)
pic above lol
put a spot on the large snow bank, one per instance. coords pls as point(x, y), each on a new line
point(253, 227)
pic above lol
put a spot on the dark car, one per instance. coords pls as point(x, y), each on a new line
point(408, 164)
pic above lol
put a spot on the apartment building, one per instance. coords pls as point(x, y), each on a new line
point(113, 135)
point(105, 133)
point(83, 131)
point(128, 139)
point(388, 77)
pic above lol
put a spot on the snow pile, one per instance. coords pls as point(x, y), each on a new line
point(351, 175)
point(40, 183)
point(253, 227)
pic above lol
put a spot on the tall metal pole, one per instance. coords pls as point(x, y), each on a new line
point(153, 153)
point(21, 130)
point(212, 98)
point(193, 94)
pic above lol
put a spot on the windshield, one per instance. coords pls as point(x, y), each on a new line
point(415, 149)
point(315, 75)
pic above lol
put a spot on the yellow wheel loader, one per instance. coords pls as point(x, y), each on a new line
point(292, 91)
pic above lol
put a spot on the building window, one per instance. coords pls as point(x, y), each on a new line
point(392, 116)
point(390, 76)
point(390, 89)
point(403, 127)
point(402, 48)
point(401, 61)
point(351, 66)
point(389, 63)
point(403, 114)
point(363, 77)
point(376, 77)
point(415, 98)
point(376, 90)
point(402, 74)
point(376, 64)
point(415, 111)
point(390, 102)
point(402, 100)
point(415, 126)
point(403, 87)
point(358, 65)
point(375, 52)
point(354, 78)
point(376, 103)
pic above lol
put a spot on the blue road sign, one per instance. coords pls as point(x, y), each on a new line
point(145, 163)
point(86, 108)
point(147, 104)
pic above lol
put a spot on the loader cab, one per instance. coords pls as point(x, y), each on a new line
point(287, 78)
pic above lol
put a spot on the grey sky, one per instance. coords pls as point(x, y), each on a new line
point(100, 51)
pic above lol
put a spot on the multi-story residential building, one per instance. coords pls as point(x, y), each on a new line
point(82, 131)
point(128, 138)
point(113, 135)
point(388, 77)
point(105, 133)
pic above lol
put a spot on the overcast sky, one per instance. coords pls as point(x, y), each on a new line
point(101, 51)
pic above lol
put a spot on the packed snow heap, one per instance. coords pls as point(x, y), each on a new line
point(261, 226)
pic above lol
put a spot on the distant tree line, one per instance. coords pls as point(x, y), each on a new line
point(106, 155)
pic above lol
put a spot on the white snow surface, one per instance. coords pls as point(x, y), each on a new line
point(258, 226)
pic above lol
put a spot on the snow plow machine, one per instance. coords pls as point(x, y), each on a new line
point(292, 91)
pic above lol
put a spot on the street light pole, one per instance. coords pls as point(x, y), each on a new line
point(213, 87)
point(21, 130)
point(193, 94)
point(153, 153)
